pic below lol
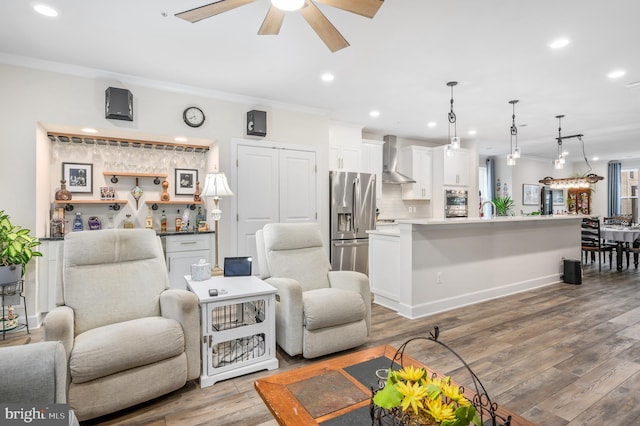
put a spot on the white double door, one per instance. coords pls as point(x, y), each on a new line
point(273, 185)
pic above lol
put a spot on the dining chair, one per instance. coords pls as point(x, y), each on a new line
point(593, 243)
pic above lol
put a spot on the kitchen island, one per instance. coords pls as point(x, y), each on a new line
point(427, 266)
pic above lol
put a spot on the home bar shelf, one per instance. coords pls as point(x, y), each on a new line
point(122, 142)
point(192, 204)
point(156, 176)
point(68, 204)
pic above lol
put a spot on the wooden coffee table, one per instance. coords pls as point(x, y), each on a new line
point(336, 391)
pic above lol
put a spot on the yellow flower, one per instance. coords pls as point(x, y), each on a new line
point(410, 374)
point(412, 394)
point(453, 393)
point(439, 411)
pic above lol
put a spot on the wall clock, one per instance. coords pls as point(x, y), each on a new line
point(193, 116)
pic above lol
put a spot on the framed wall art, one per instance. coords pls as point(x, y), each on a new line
point(186, 181)
point(530, 194)
point(79, 177)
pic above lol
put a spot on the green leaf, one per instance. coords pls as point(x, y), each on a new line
point(389, 396)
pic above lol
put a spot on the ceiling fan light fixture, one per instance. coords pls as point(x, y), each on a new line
point(288, 5)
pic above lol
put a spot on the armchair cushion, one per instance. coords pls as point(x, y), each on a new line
point(329, 307)
point(119, 347)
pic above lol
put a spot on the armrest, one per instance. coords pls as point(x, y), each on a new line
point(355, 281)
point(59, 326)
point(34, 373)
point(183, 306)
point(289, 314)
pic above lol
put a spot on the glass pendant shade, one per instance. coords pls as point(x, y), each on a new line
point(516, 152)
point(455, 142)
point(510, 160)
point(288, 5)
point(557, 165)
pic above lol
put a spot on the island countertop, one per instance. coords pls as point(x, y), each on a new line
point(494, 219)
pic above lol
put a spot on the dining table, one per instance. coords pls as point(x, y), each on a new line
point(625, 237)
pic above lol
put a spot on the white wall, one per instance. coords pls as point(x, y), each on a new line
point(37, 100)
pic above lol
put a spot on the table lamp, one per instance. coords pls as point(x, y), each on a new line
point(216, 186)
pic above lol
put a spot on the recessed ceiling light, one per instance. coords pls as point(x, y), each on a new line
point(432, 124)
point(45, 10)
point(595, 158)
point(616, 74)
point(374, 113)
point(559, 43)
point(89, 130)
point(327, 77)
point(472, 132)
point(288, 5)
point(180, 139)
point(565, 153)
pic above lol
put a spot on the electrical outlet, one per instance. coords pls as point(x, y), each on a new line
point(438, 277)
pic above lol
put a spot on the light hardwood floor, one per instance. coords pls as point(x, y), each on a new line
point(561, 355)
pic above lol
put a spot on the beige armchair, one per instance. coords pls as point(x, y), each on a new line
point(318, 311)
point(128, 338)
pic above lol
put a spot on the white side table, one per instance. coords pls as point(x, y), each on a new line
point(238, 327)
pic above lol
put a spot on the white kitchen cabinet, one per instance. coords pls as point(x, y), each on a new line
point(372, 162)
point(238, 327)
point(345, 158)
point(456, 168)
point(384, 267)
point(182, 251)
point(345, 145)
point(416, 162)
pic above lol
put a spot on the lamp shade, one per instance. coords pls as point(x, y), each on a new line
point(215, 185)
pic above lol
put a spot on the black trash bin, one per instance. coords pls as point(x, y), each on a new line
point(572, 271)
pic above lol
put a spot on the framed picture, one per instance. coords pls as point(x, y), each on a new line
point(558, 197)
point(530, 194)
point(79, 177)
point(186, 181)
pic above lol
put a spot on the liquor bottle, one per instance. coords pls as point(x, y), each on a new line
point(148, 222)
point(178, 222)
point(199, 218)
point(77, 223)
point(163, 223)
point(128, 223)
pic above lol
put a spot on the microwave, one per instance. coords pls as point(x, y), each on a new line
point(456, 203)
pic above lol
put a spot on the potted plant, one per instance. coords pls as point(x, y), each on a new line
point(503, 205)
point(16, 249)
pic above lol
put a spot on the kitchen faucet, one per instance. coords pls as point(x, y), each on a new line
point(493, 211)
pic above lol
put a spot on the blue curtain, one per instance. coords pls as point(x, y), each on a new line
point(491, 178)
point(614, 172)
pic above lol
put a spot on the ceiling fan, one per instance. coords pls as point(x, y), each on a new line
point(273, 21)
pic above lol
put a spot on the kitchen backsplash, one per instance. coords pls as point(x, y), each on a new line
point(392, 206)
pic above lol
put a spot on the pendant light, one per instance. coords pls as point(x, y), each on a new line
point(454, 141)
point(558, 163)
point(513, 153)
point(578, 182)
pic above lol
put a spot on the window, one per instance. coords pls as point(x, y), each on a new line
point(628, 191)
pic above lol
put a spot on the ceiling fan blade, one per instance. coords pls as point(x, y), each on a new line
point(367, 8)
point(272, 22)
point(209, 10)
point(321, 25)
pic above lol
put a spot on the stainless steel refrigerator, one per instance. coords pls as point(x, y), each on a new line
point(353, 212)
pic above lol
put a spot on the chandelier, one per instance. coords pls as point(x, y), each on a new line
point(574, 182)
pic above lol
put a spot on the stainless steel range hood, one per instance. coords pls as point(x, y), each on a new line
point(389, 162)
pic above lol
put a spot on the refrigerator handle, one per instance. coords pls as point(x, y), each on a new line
point(355, 208)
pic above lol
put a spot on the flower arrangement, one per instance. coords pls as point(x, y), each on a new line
point(426, 399)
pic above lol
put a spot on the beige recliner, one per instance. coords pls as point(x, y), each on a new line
point(128, 338)
point(318, 311)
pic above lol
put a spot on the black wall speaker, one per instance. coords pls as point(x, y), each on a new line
point(118, 104)
point(257, 123)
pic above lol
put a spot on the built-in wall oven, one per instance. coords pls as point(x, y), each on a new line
point(456, 203)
